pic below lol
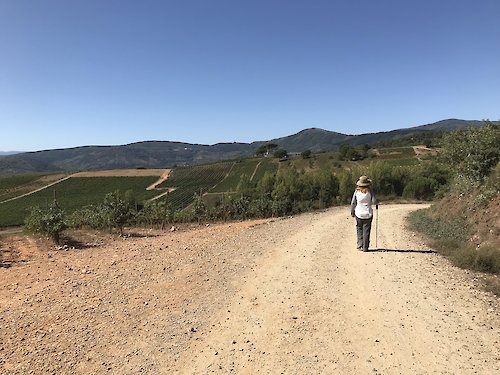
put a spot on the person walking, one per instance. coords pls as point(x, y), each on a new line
point(361, 208)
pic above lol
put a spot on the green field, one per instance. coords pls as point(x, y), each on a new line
point(267, 165)
point(75, 193)
point(194, 179)
point(15, 185)
point(396, 152)
point(14, 181)
point(240, 168)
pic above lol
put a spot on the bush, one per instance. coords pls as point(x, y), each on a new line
point(306, 154)
point(49, 221)
point(156, 213)
point(118, 211)
point(473, 152)
point(93, 216)
point(199, 210)
point(420, 188)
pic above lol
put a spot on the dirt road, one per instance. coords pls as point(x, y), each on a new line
point(289, 296)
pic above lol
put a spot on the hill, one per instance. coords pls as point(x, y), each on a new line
point(7, 153)
point(162, 154)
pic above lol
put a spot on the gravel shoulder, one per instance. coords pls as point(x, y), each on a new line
point(288, 296)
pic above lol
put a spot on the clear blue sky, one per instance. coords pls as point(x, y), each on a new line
point(81, 72)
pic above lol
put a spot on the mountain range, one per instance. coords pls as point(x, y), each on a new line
point(163, 154)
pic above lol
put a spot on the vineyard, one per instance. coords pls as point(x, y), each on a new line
point(240, 168)
point(266, 165)
point(187, 181)
point(15, 185)
point(75, 193)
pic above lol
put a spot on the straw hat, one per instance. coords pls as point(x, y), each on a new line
point(364, 182)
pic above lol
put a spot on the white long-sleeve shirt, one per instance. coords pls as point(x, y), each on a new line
point(361, 204)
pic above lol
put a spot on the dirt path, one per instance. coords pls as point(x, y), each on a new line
point(162, 179)
point(255, 170)
point(315, 305)
point(288, 296)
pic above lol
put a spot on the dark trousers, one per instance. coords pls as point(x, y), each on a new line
point(363, 228)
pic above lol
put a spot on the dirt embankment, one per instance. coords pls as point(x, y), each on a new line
point(288, 296)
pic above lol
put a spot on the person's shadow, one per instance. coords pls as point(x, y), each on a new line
point(427, 251)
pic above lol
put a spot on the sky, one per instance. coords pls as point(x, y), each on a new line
point(108, 72)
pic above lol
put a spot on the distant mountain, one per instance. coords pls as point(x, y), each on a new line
point(151, 154)
point(314, 139)
point(318, 140)
point(162, 154)
point(6, 153)
point(450, 125)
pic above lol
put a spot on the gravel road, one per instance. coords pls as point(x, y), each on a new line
point(288, 296)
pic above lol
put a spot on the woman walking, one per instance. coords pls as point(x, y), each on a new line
point(361, 209)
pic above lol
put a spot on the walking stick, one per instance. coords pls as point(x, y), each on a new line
point(376, 231)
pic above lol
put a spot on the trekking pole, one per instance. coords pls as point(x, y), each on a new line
point(376, 231)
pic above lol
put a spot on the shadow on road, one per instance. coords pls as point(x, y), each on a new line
point(429, 251)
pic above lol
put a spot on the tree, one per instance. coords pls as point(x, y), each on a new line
point(329, 188)
point(306, 154)
point(348, 152)
point(346, 186)
point(265, 185)
point(281, 153)
point(473, 152)
point(265, 149)
point(261, 151)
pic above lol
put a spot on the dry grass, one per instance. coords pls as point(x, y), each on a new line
point(455, 238)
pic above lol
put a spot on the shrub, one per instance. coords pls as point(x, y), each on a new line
point(261, 207)
point(156, 213)
point(473, 152)
point(118, 211)
point(306, 154)
point(199, 207)
point(420, 188)
point(49, 221)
